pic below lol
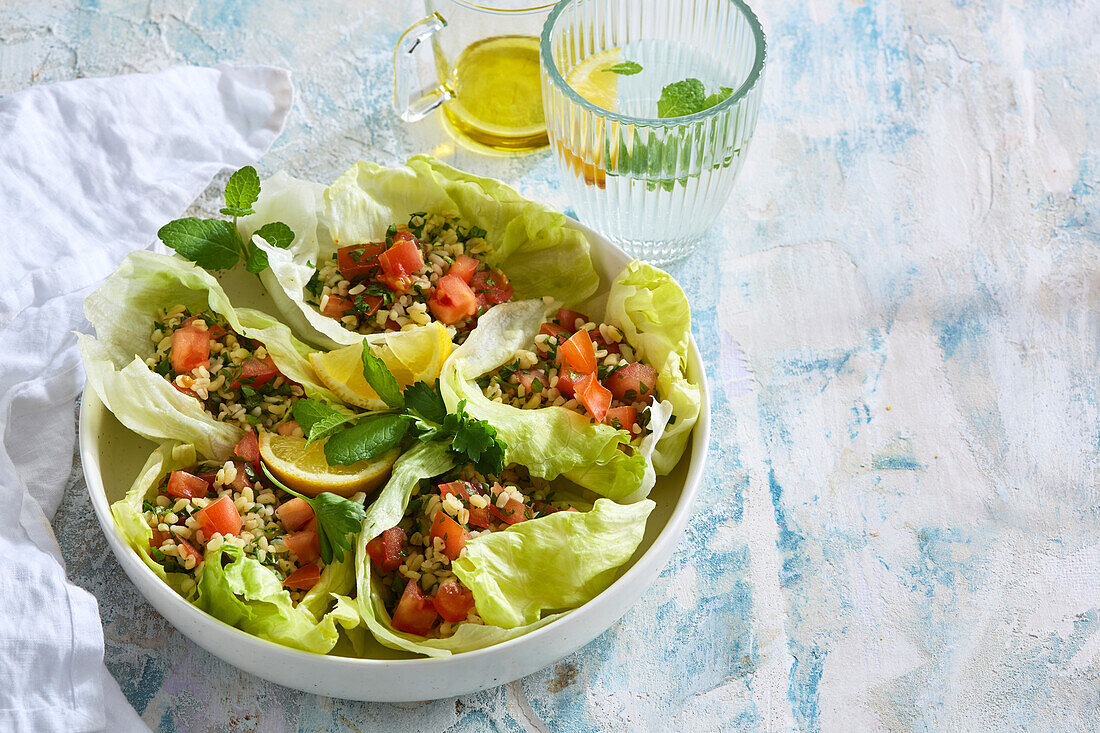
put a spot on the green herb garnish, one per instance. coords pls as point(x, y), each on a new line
point(337, 518)
point(625, 68)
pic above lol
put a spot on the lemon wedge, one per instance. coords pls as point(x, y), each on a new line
point(590, 80)
point(305, 469)
point(411, 356)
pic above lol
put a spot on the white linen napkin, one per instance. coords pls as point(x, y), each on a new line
point(89, 170)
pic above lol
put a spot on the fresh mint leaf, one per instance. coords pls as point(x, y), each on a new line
point(212, 244)
point(425, 401)
point(318, 420)
point(337, 519)
point(721, 95)
point(681, 98)
point(277, 234)
point(625, 68)
point(380, 379)
point(369, 438)
point(256, 262)
point(241, 191)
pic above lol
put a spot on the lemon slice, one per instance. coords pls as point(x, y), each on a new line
point(306, 470)
point(411, 356)
point(589, 79)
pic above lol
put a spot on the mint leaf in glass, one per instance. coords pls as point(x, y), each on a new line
point(681, 98)
point(625, 68)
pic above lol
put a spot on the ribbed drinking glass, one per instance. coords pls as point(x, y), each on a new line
point(612, 73)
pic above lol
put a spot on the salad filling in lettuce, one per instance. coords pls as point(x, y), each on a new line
point(605, 402)
point(172, 358)
point(237, 548)
point(454, 560)
point(386, 249)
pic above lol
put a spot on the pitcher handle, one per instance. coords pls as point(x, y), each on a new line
point(410, 102)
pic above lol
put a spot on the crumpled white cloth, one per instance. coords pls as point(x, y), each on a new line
point(89, 170)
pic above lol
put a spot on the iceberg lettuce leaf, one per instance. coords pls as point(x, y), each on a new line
point(533, 244)
point(549, 441)
point(653, 313)
point(422, 461)
point(558, 561)
point(123, 309)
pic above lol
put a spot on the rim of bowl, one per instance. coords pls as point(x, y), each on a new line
point(742, 91)
point(535, 6)
point(669, 535)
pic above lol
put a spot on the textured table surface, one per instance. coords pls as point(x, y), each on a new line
point(899, 529)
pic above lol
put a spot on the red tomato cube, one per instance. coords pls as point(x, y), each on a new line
point(635, 382)
point(401, 261)
point(304, 578)
point(190, 349)
point(248, 449)
point(492, 288)
point(415, 613)
point(464, 267)
point(451, 532)
point(387, 550)
point(358, 259)
point(255, 372)
point(453, 601)
point(479, 516)
point(452, 300)
point(624, 418)
point(186, 485)
point(306, 543)
point(571, 320)
point(219, 516)
point(294, 514)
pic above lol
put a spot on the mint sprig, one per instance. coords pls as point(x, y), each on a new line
point(337, 519)
point(624, 68)
point(215, 244)
point(418, 410)
point(687, 97)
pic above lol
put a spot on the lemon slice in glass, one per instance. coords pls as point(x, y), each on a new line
point(305, 469)
point(590, 79)
point(412, 356)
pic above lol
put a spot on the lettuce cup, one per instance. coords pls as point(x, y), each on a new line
point(450, 560)
point(174, 360)
point(392, 249)
point(238, 548)
point(604, 401)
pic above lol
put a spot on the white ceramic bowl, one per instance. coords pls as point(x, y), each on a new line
point(112, 456)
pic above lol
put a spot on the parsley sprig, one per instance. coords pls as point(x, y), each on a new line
point(337, 519)
point(215, 244)
point(418, 410)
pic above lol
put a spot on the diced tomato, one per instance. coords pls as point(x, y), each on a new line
point(415, 613)
point(190, 349)
point(240, 480)
point(451, 532)
point(526, 378)
point(571, 320)
point(304, 578)
point(513, 511)
point(553, 329)
point(372, 303)
point(337, 306)
point(181, 390)
point(453, 601)
point(602, 343)
point(208, 477)
point(255, 372)
point(635, 382)
point(400, 262)
point(213, 330)
point(158, 538)
point(306, 544)
point(627, 417)
point(543, 508)
point(219, 516)
point(464, 267)
point(452, 300)
point(295, 514)
point(248, 449)
point(479, 516)
point(492, 288)
point(186, 485)
point(358, 259)
point(579, 353)
point(567, 381)
point(288, 428)
point(594, 396)
point(387, 550)
point(186, 549)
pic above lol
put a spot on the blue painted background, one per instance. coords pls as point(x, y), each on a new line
point(899, 311)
